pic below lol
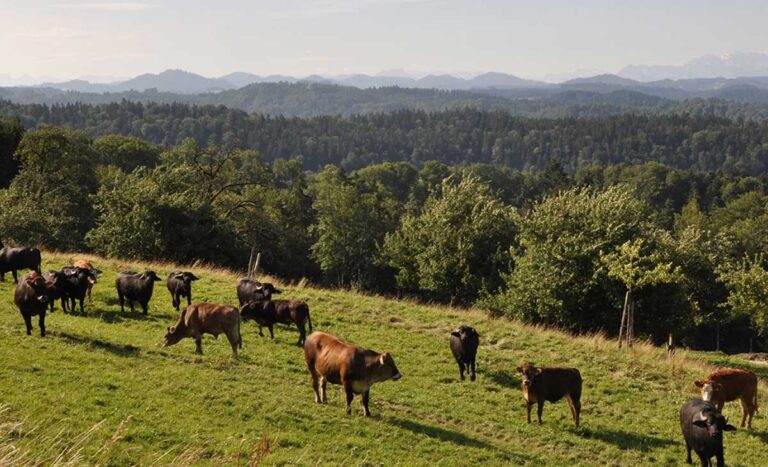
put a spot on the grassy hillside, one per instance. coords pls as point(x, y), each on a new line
point(100, 389)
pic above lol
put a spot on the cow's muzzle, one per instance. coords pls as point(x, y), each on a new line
point(396, 376)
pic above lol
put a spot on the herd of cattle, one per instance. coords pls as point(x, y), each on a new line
point(330, 359)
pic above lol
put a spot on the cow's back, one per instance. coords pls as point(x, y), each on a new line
point(556, 383)
point(212, 318)
point(329, 356)
point(734, 383)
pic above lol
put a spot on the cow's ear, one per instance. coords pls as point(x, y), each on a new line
point(193, 277)
point(455, 333)
point(729, 427)
point(700, 423)
point(519, 369)
point(698, 383)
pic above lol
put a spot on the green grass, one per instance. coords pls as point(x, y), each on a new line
point(99, 389)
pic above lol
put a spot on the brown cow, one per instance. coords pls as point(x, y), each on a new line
point(330, 359)
point(551, 385)
point(206, 318)
point(728, 384)
point(31, 296)
point(84, 264)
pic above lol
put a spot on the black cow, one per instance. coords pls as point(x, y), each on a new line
point(267, 313)
point(180, 285)
point(703, 428)
point(464, 343)
point(13, 259)
point(249, 290)
point(31, 298)
point(80, 280)
point(135, 287)
point(58, 287)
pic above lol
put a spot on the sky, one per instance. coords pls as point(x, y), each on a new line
point(102, 40)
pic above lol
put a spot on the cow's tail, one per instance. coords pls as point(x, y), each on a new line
point(38, 261)
point(756, 410)
point(309, 320)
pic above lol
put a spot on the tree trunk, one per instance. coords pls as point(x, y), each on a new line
point(631, 323)
point(717, 336)
point(624, 316)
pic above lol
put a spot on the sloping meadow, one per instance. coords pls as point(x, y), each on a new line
point(100, 389)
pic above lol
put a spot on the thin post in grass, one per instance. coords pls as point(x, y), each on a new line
point(256, 264)
point(250, 261)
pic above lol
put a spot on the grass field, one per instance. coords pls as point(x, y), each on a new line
point(99, 389)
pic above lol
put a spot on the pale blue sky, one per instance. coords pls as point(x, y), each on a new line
point(65, 39)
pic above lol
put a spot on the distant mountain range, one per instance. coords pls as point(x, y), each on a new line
point(730, 65)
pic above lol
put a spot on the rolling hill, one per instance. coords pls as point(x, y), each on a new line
point(99, 389)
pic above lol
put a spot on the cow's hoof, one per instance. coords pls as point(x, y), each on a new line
point(472, 378)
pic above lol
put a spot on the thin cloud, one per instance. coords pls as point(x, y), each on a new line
point(53, 33)
point(107, 6)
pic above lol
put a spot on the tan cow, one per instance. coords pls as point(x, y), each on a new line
point(329, 359)
point(728, 384)
point(206, 318)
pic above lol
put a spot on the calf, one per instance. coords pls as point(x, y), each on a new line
point(13, 259)
point(551, 385)
point(330, 359)
point(180, 285)
point(81, 263)
point(728, 384)
point(31, 298)
point(703, 427)
point(135, 287)
point(79, 280)
point(249, 290)
point(268, 312)
point(464, 343)
point(206, 318)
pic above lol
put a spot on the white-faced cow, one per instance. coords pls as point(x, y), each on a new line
point(551, 385)
point(179, 284)
point(729, 384)
point(331, 360)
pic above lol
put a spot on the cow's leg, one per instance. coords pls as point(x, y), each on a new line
point(271, 331)
point(574, 411)
point(90, 287)
point(366, 412)
point(350, 395)
point(528, 406)
point(15, 278)
point(315, 386)
point(323, 394)
point(189, 299)
point(461, 370)
point(144, 307)
point(173, 302)
point(64, 304)
point(719, 406)
point(539, 410)
point(234, 340)
point(122, 303)
point(41, 322)
point(199, 344)
point(28, 322)
point(472, 370)
point(704, 461)
point(744, 409)
point(688, 449)
point(720, 460)
point(260, 332)
point(302, 334)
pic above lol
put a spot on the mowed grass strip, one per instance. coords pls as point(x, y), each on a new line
point(100, 389)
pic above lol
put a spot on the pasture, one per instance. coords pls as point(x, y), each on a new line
point(99, 389)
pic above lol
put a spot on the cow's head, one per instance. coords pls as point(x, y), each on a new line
point(173, 336)
point(708, 389)
point(79, 273)
point(386, 368)
point(252, 310)
point(713, 422)
point(149, 276)
point(466, 334)
point(186, 277)
point(267, 290)
point(529, 372)
point(38, 285)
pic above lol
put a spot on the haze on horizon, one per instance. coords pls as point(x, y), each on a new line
point(105, 40)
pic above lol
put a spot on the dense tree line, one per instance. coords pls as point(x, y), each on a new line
point(555, 246)
point(459, 137)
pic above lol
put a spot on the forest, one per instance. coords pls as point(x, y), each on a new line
point(562, 242)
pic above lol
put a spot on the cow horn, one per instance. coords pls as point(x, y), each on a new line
point(700, 417)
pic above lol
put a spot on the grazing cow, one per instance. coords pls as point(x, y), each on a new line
point(80, 280)
point(13, 259)
point(31, 298)
point(703, 427)
point(268, 312)
point(464, 343)
point(249, 290)
point(206, 318)
point(330, 359)
point(180, 285)
point(57, 287)
point(81, 263)
point(551, 385)
point(728, 384)
point(135, 287)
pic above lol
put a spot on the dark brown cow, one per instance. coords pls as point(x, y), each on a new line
point(332, 360)
point(206, 318)
point(267, 313)
point(728, 384)
point(31, 296)
point(85, 264)
point(551, 385)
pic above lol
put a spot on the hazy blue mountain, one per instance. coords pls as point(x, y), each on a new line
point(179, 81)
point(239, 79)
point(730, 65)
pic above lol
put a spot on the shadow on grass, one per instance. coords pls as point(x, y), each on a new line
point(440, 433)
point(624, 439)
point(120, 316)
point(504, 378)
point(116, 349)
point(760, 434)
